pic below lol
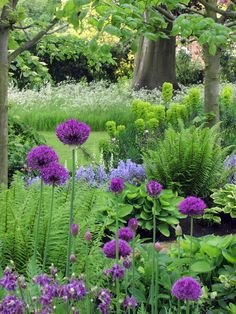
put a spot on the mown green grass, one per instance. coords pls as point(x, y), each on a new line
point(64, 152)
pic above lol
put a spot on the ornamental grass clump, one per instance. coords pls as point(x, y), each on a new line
point(74, 134)
point(154, 189)
point(187, 289)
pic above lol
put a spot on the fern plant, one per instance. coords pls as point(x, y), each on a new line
point(18, 206)
point(190, 161)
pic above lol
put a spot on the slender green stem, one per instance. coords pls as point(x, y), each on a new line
point(187, 307)
point(48, 229)
point(38, 220)
point(87, 279)
point(117, 261)
point(153, 264)
point(71, 215)
point(179, 312)
point(133, 268)
point(191, 241)
point(156, 283)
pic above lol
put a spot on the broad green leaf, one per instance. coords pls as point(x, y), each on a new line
point(229, 257)
point(112, 30)
point(202, 267)
point(3, 2)
point(164, 229)
point(124, 211)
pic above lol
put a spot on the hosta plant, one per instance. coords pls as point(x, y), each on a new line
point(225, 200)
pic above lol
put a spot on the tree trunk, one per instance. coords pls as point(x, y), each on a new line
point(3, 105)
point(155, 63)
point(212, 85)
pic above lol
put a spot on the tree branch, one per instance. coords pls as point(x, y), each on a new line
point(58, 29)
point(30, 43)
point(229, 14)
point(168, 15)
point(22, 27)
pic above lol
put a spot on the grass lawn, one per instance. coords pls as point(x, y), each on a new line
point(92, 146)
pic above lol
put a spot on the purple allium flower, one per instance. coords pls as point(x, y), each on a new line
point(154, 188)
point(88, 236)
point(126, 234)
point(129, 171)
point(41, 156)
point(11, 305)
point(75, 290)
point(42, 279)
point(187, 288)
point(127, 263)
point(109, 249)
point(117, 185)
point(104, 296)
point(73, 132)
point(192, 206)
point(54, 174)
point(133, 224)
point(116, 272)
point(74, 228)
point(9, 279)
point(130, 302)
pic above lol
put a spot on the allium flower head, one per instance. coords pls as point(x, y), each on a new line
point(11, 305)
point(133, 224)
point(73, 132)
point(109, 249)
point(117, 185)
point(88, 236)
point(187, 289)
point(74, 229)
point(104, 296)
point(54, 174)
point(157, 246)
point(41, 156)
point(154, 188)
point(9, 279)
point(130, 302)
point(126, 234)
point(192, 206)
point(116, 272)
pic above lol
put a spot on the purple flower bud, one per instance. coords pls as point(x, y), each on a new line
point(88, 236)
point(117, 185)
point(53, 270)
point(133, 224)
point(157, 246)
point(154, 188)
point(74, 229)
point(127, 263)
point(126, 234)
point(73, 258)
point(109, 249)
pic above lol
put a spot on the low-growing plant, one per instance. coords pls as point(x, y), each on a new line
point(189, 161)
point(225, 200)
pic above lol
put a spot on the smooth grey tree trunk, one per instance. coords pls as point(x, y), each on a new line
point(212, 85)
point(155, 63)
point(3, 105)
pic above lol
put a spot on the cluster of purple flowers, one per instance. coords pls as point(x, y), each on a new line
point(128, 171)
point(104, 297)
point(11, 305)
point(116, 272)
point(45, 160)
point(192, 206)
point(130, 302)
point(72, 132)
point(230, 164)
point(154, 188)
point(187, 289)
point(9, 280)
point(126, 234)
point(109, 249)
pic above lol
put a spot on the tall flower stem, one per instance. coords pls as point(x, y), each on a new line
point(117, 261)
point(156, 290)
point(87, 279)
point(187, 307)
point(153, 261)
point(38, 220)
point(191, 241)
point(71, 215)
point(133, 267)
point(48, 229)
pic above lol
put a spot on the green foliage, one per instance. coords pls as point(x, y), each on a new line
point(18, 207)
point(193, 103)
point(21, 139)
point(111, 128)
point(188, 71)
point(225, 200)
point(175, 113)
point(226, 96)
point(167, 92)
point(228, 65)
point(165, 209)
point(189, 160)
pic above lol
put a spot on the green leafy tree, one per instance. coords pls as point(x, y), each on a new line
point(15, 16)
